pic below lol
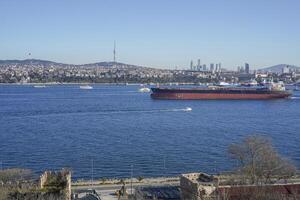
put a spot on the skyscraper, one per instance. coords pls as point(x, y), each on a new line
point(242, 69)
point(212, 67)
point(198, 65)
point(247, 68)
point(192, 65)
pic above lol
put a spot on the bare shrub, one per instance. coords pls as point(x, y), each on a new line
point(259, 162)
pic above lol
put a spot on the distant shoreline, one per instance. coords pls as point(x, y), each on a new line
point(85, 83)
point(71, 83)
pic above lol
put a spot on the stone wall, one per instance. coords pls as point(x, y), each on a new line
point(197, 186)
point(68, 188)
point(200, 186)
point(44, 178)
point(63, 175)
point(188, 189)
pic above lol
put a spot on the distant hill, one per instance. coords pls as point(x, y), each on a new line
point(30, 62)
point(278, 68)
point(46, 63)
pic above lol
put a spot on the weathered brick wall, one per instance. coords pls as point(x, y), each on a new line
point(188, 189)
point(44, 178)
point(68, 187)
point(194, 188)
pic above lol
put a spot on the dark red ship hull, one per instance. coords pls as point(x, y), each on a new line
point(198, 94)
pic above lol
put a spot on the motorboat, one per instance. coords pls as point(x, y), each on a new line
point(144, 89)
point(85, 87)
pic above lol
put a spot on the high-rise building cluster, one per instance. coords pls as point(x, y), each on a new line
point(247, 68)
point(212, 67)
point(244, 69)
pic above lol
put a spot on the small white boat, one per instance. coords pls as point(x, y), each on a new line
point(144, 89)
point(224, 84)
point(85, 87)
point(188, 109)
point(39, 86)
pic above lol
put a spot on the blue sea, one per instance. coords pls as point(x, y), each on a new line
point(116, 128)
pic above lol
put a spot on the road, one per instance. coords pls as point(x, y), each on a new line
point(107, 191)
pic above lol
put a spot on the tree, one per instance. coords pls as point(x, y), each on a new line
point(259, 162)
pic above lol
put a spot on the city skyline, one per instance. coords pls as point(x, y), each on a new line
point(157, 34)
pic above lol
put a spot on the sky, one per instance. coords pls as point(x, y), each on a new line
point(156, 33)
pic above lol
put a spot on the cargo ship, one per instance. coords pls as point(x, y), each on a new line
point(272, 91)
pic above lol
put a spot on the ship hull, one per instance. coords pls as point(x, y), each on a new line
point(213, 94)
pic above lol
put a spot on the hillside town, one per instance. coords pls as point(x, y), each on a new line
point(39, 71)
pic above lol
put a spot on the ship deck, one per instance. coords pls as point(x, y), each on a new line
point(221, 90)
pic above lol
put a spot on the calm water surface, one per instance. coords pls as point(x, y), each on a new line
point(116, 127)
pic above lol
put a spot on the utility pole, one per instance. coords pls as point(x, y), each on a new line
point(131, 178)
point(92, 173)
point(164, 165)
point(216, 170)
point(217, 181)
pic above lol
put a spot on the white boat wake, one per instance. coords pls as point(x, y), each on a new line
point(187, 109)
point(85, 87)
point(106, 112)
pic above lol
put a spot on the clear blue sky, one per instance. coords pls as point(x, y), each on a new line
point(159, 33)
